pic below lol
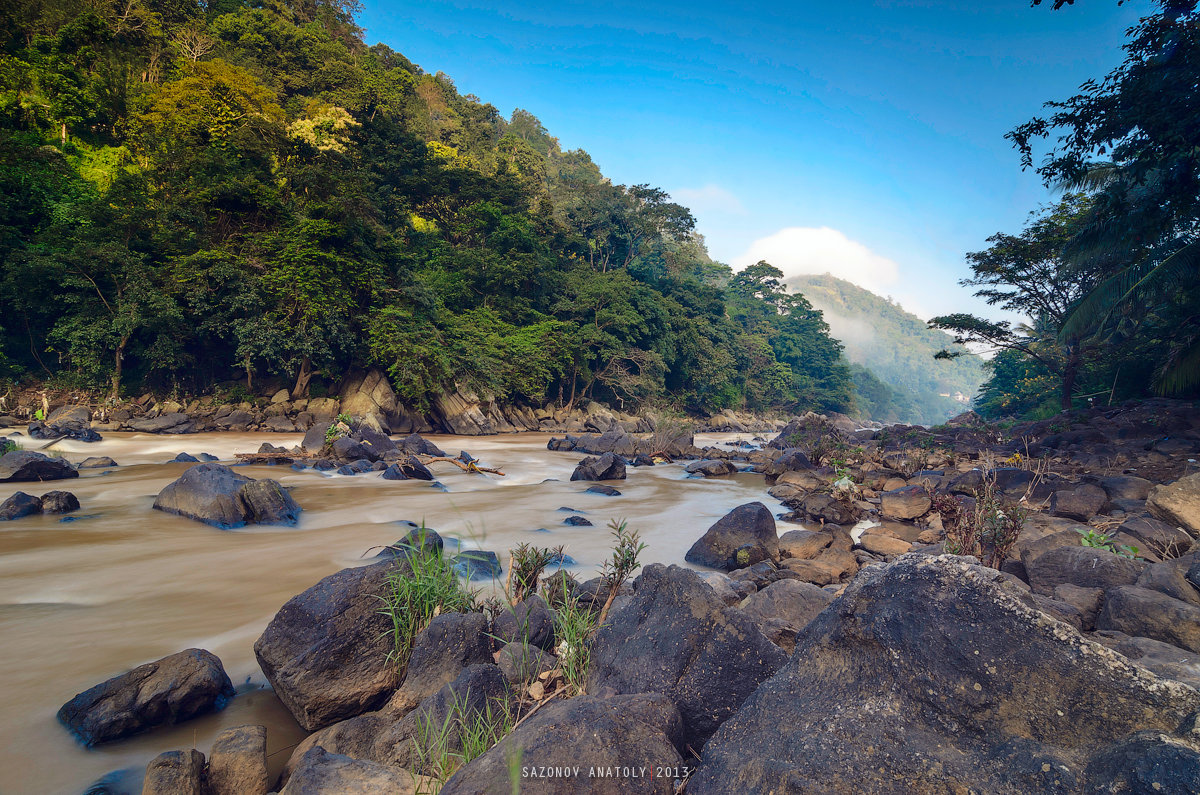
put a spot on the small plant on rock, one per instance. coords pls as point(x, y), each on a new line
point(987, 533)
point(573, 627)
point(1098, 540)
point(623, 564)
point(525, 567)
point(338, 429)
point(8, 446)
point(441, 748)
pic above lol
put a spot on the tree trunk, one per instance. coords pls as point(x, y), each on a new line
point(302, 379)
point(1070, 371)
point(64, 133)
point(119, 365)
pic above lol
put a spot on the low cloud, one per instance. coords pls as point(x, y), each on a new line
point(709, 200)
point(799, 250)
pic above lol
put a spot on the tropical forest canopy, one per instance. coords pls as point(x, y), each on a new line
point(1109, 275)
point(197, 192)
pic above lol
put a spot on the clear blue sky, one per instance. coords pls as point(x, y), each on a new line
point(873, 130)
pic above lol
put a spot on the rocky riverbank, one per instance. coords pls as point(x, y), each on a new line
point(968, 608)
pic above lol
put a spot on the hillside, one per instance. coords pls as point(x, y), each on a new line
point(896, 347)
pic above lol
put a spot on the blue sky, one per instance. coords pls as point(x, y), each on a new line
point(863, 138)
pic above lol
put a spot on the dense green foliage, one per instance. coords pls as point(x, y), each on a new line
point(192, 192)
point(891, 350)
point(1110, 278)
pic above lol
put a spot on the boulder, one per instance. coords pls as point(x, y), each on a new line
point(414, 469)
point(20, 505)
point(749, 527)
point(881, 544)
point(608, 466)
point(26, 465)
point(908, 502)
point(529, 621)
point(958, 684)
point(175, 422)
point(825, 508)
point(676, 638)
point(1170, 578)
point(214, 494)
point(237, 763)
point(1177, 503)
point(478, 564)
point(711, 468)
point(176, 773)
point(167, 691)
point(1151, 614)
point(1125, 487)
point(56, 502)
point(521, 663)
point(1087, 567)
point(185, 458)
point(322, 773)
point(1080, 503)
point(97, 462)
point(604, 739)
point(803, 544)
point(794, 602)
point(577, 521)
point(1154, 536)
point(369, 398)
point(72, 416)
point(602, 489)
point(314, 438)
point(415, 444)
point(451, 643)
point(326, 652)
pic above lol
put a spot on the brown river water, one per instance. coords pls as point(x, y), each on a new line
point(122, 585)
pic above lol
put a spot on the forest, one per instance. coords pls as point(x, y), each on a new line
point(1107, 277)
point(197, 196)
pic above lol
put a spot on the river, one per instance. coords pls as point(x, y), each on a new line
point(122, 584)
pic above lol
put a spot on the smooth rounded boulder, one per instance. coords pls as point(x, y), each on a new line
point(958, 684)
point(163, 692)
point(608, 466)
point(20, 505)
point(216, 495)
point(23, 466)
point(327, 651)
point(749, 528)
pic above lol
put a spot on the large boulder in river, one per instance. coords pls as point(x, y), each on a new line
point(635, 733)
point(326, 652)
point(711, 468)
point(677, 638)
point(748, 529)
point(1177, 503)
point(20, 505)
point(26, 466)
point(214, 494)
point(167, 691)
point(933, 674)
point(608, 466)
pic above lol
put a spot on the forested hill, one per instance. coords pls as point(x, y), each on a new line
point(197, 193)
point(895, 347)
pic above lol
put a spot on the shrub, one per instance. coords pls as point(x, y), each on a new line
point(987, 533)
point(441, 749)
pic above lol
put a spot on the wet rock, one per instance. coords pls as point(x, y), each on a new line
point(1086, 567)
point(634, 732)
point(577, 521)
point(599, 488)
point(394, 472)
point(710, 468)
point(529, 621)
point(184, 458)
point(96, 462)
point(414, 469)
point(451, 643)
point(909, 502)
point(981, 692)
point(164, 692)
point(607, 467)
point(326, 651)
point(26, 466)
point(56, 502)
point(323, 465)
point(415, 444)
point(214, 494)
point(676, 638)
point(322, 773)
point(1176, 503)
point(237, 763)
point(267, 502)
point(176, 422)
point(521, 662)
point(749, 527)
point(348, 449)
point(478, 564)
point(423, 539)
point(18, 506)
point(1151, 614)
point(176, 773)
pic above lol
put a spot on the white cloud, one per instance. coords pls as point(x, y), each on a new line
point(711, 199)
point(798, 250)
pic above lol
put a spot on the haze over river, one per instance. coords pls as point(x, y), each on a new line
point(122, 584)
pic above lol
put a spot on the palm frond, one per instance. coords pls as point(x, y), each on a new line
point(1098, 305)
point(1180, 373)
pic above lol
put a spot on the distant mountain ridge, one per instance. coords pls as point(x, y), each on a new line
point(897, 348)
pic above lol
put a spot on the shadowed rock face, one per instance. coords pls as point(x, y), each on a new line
point(934, 675)
point(214, 494)
point(167, 691)
point(677, 638)
point(26, 465)
point(749, 527)
point(326, 651)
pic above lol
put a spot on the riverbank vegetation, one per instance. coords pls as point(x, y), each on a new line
point(194, 193)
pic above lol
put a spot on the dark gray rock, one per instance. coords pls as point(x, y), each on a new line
point(677, 638)
point(348, 449)
point(326, 651)
point(27, 466)
point(634, 732)
point(160, 693)
point(1087, 567)
point(96, 462)
point(529, 621)
point(1151, 614)
point(793, 602)
point(322, 773)
point(413, 468)
point(394, 472)
point(478, 564)
point(577, 521)
point(521, 662)
point(1080, 503)
point(184, 458)
point(600, 488)
point(958, 684)
point(608, 466)
point(56, 502)
point(314, 438)
point(20, 505)
point(267, 502)
point(415, 444)
point(451, 643)
point(166, 423)
point(711, 468)
point(750, 527)
point(214, 494)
